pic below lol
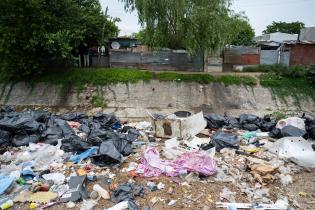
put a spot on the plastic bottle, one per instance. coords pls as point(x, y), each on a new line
point(101, 191)
point(7, 205)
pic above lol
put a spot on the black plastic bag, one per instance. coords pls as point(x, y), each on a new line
point(52, 134)
point(42, 116)
point(24, 139)
point(291, 131)
point(128, 192)
point(221, 140)
point(248, 118)
point(232, 122)
point(108, 155)
point(74, 144)
point(74, 116)
point(267, 126)
point(106, 120)
point(214, 121)
point(275, 133)
point(5, 138)
point(310, 128)
point(20, 124)
point(250, 127)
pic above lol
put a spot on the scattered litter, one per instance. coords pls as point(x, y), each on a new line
point(248, 206)
point(120, 206)
point(5, 183)
point(77, 189)
point(282, 203)
point(172, 202)
point(127, 192)
point(48, 159)
point(101, 191)
point(57, 178)
point(88, 204)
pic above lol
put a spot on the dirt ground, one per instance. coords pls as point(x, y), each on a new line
point(201, 194)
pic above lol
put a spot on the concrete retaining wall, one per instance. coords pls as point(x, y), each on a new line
point(134, 100)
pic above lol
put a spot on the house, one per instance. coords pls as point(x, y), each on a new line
point(271, 45)
point(274, 40)
point(302, 52)
point(235, 58)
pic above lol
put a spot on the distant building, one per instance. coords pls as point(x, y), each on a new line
point(274, 40)
point(302, 52)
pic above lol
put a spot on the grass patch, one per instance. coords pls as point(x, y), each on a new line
point(283, 114)
point(172, 76)
point(206, 79)
point(77, 78)
point(81, 77)
point(237, 80)
point(283, 87)
point(98, 101)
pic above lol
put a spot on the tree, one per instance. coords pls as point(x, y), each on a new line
point(37, 34)
point(244, 33)
point(290, 28)
point(195, 25)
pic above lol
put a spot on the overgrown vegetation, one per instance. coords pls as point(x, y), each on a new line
point(99, 77)
point(284, 87)
point(283, 114)
point(279, 69)
point(98, 101)
point(285, 81)
point(38, 34)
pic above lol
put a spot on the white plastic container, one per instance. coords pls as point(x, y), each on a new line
point(101, 191)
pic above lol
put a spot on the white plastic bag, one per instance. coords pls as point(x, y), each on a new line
point(296, 149)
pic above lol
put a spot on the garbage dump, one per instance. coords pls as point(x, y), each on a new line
point(77, 161)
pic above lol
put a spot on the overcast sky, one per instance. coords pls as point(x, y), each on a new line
point(260, 13)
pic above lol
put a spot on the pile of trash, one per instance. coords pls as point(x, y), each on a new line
point(48, 159)
point(77, 132)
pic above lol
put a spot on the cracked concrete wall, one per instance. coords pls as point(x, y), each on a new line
point(133, 100)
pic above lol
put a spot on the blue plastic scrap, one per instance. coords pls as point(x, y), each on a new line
point(5, 183)
point(78, 158)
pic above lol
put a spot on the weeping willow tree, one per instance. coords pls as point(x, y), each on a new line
point(194, 25)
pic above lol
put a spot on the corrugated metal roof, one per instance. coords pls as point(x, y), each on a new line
point(307, 35)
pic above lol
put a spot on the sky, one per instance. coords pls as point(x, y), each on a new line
point(260, 13)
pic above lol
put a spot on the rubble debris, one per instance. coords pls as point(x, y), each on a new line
point(50, 159)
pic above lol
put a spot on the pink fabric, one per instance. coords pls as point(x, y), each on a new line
point(197, 161)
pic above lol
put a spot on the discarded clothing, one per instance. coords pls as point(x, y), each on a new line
point(198, 161)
